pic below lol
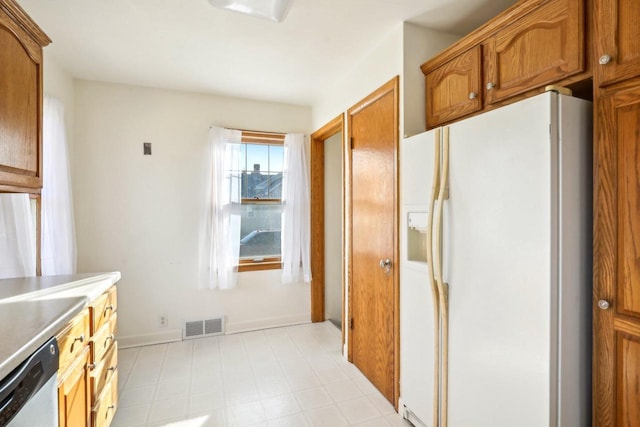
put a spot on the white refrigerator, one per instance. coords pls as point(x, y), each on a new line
point(496, 330)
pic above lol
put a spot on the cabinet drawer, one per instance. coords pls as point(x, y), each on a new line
point(105, 409)
point(103, 340)
point(103, 371)
point(102, 309)
point(73, 339)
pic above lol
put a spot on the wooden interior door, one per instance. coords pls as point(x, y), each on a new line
point(373, 312)
point(616, 398)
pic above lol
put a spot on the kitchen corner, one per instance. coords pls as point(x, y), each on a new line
point(58, 356)
point(33, 309)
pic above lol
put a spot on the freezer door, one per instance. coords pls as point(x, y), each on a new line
point(499, 234)
point(417, 331)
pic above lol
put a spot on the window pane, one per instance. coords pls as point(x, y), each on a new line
point(260, 230)
point(276, 158)
point(257, 157)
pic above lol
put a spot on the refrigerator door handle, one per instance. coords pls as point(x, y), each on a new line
point(443, 289)
point(435, 184)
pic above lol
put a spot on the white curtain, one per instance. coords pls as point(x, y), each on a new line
point(17, 237)
point(296, 214)
point(58, 232)
point(220, 246)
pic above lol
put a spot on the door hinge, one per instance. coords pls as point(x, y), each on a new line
point(351, 323)
point(351, 142)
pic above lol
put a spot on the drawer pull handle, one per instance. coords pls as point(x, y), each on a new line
point(112, 368)
point(107, 308)
point(110, 337)
point(80, 338)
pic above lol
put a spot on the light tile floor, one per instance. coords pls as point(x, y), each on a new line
point(292, 376)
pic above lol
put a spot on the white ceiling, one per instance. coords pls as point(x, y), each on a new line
point(190, 45)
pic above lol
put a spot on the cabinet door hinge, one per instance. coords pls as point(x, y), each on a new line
point(351, 323)
point(351, 142)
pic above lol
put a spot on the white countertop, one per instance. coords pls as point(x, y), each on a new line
point(33, 309)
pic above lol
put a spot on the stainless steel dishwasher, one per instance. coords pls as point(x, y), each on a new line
point(28, 395)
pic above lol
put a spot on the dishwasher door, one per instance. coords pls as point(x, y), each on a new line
point(28, 395)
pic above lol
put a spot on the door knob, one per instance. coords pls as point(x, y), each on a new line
point(385, 264)
point(603, 304)
point(490, 85)
point(473, 95)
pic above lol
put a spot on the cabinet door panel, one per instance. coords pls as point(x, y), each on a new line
point(20, 106)
point(617, 30)
point(73, 398)
point(540, 48)
point(628, 374)
point(628, 143)
point(453, 90)
point(616, 376)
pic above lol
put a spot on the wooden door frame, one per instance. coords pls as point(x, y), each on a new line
point(392, 86)
point(317, 197)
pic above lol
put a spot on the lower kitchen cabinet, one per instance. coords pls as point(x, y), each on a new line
point(73, 393)
point(105, 409)
point(88, 373)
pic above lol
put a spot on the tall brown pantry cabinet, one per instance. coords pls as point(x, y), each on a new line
point(616, 315)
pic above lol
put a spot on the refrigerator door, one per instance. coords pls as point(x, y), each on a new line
point(499, 234)
point(416, 303)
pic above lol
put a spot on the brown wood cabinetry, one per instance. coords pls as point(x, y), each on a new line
point(616, 253)
point(453, 89)
point(103, 369)
point(73, 377)
point(617, 40)
point(616, 279)
point(88, 373)
point(21, 43)
point(531, 45)
point(543, 47)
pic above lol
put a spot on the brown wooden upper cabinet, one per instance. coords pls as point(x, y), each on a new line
point(21, 43)
point(530, 45)
point(616, 41)
point(453, 89)
point(543, 47)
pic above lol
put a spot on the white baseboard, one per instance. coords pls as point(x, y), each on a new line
point(269, 322)
point(170, 335)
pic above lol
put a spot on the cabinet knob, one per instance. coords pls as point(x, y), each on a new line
point(473, 95)
point(490, 85)
point(604, 60)
point(603, 304)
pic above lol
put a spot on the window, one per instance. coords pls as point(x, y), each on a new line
point(262, 163)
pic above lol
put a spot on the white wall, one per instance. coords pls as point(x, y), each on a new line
point(140, 214)
point(401, 53)
point(378, 66)
point(333, 227)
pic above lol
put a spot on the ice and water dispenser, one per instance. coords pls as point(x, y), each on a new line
point(417, 236)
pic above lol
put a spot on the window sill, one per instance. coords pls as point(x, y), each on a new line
point(267, 264)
